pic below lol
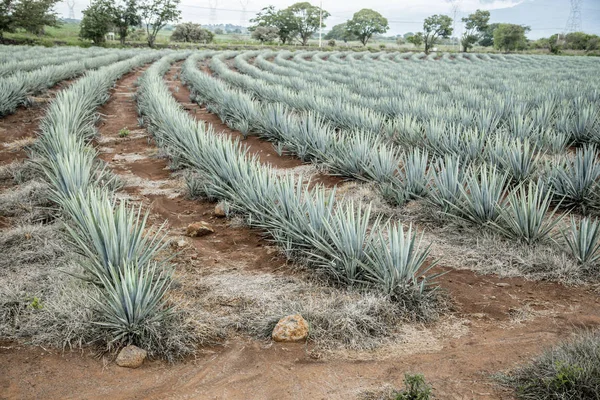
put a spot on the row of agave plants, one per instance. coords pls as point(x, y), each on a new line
point(9, 68)
point(512, 193)
point(15, 88)
point(119, 255)
point(338, 238)
point(12, 54)
point(439, 136)
point(366, 101)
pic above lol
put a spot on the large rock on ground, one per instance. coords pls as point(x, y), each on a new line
point(220, 210)
point(198, 229)
point(131, 357)
point(292, 328)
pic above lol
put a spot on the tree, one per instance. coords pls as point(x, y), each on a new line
point(475, 25)
point(191, 33)
point(155, 14)
point(97, 21)
point(307, 19)
point(340, 32)
point(581, 41)
point(487, 38)
point(6, 17)
point(125, 16)
point(265, 33)
point(283, 20)
point(434, 28)
point(219, 31)
point(34, 15)
point(365, 23)
point(416, 39)
point(510, 37)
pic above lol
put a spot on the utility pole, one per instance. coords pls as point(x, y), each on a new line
point(71, 4)
point(320, 21)
point(574, 21)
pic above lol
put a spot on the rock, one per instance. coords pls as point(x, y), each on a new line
point(198, 229)
point(292, 328)
point(220, 210)
point(181, 243)
point(131, 357)
point(503, 284)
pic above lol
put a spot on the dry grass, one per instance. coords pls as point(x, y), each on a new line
point(254, 303)
point(27, 203)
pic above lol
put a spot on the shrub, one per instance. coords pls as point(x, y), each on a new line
point(568, 371)
point(190, 32)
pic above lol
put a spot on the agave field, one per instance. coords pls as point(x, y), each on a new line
point(412, 167)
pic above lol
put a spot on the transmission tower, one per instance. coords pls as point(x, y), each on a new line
point(213, 4)
point(71, 5)
point(574, 21)
point(244, 16)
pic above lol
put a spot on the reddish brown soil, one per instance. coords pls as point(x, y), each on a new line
point(242, 368)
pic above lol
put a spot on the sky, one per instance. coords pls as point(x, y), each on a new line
point(403, 16)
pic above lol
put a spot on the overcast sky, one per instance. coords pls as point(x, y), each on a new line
point(403, 16)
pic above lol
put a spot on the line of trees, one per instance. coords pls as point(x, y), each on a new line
point(104, 16)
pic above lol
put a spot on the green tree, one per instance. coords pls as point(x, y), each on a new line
point(416, 39)
point(475, 25)
point(265, 33)
point(283, 20)
point(156, 14)
point(434, 28)
point(307, 19)
point(34, 15)
point(124, 17)
point(97, 21)
point(510, 37)
point(191, 33)
point(6, 17)
point(340, 32)
point(581, 41)
point(365, 23)
point(487, 37)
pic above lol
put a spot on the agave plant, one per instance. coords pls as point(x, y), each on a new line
point(583, 240)
point(517, 157)
point(110, 234)
point(482, 196)
point(133, 301)
point(574, 180)
point(396, 262)
point(526, 217)
point(447, 179)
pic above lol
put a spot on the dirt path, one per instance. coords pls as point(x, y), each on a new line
point(496, 324)
point(19, 129)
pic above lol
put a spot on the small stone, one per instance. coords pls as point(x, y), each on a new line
point(198, 229)
point(220, 210)
point(503, 284)
point(131, 357)
point(292, 328)
point(181, 243)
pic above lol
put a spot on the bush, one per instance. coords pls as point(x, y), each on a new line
point(331, 43)
point(189, 32)
point(265, 33)
point(568, 371)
